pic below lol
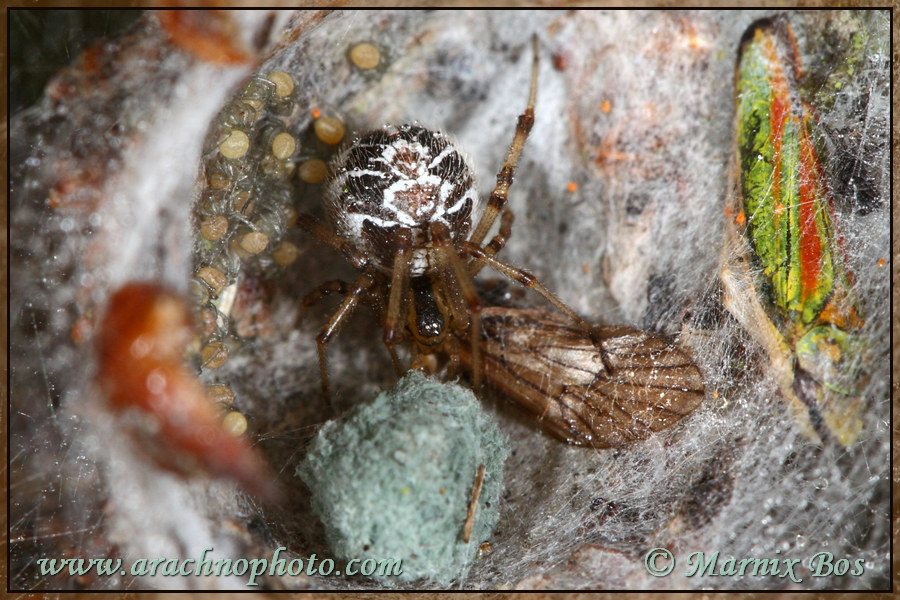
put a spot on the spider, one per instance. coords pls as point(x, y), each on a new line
point(400, 203)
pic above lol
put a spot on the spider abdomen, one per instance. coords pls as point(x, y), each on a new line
point(400, 176)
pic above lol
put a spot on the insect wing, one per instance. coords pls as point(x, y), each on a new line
point(636, 383)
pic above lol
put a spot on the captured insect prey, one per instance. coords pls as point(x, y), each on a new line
point(400, 204)
point(620, 388)
point(269, 301)
point(801, 307)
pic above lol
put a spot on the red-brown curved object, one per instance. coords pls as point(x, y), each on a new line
point(140, 347)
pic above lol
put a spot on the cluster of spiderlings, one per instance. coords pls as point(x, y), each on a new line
point(245, 208)
point(259, 158)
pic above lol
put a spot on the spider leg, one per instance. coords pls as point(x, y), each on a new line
point(360, 287)
point(447, 257)
point(312, 226)
point(505, 177)
point(498, 241)
point(459, 291)
point(453, 352)
point(396, 309)
point(398, 366)
point(327, 288)
point(528, 280)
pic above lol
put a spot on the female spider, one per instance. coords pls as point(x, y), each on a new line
point(400, 203)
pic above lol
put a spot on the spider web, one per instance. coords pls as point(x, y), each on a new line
point(635, 108)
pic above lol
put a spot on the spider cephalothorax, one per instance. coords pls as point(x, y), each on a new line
point(401, 201)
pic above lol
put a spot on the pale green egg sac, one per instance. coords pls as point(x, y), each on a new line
point(394, 478)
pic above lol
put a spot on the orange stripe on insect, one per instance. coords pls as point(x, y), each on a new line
point(811, 191)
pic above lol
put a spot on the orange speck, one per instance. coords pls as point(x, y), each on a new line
point(779, 208)
point(606, 106)
point(881, 262)
point(560, 60)
point(316, 113)
point(741, 218)
point(572, 186)
point(715, 394)
point(585, 268)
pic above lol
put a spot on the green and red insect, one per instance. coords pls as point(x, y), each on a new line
point(783, 271)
